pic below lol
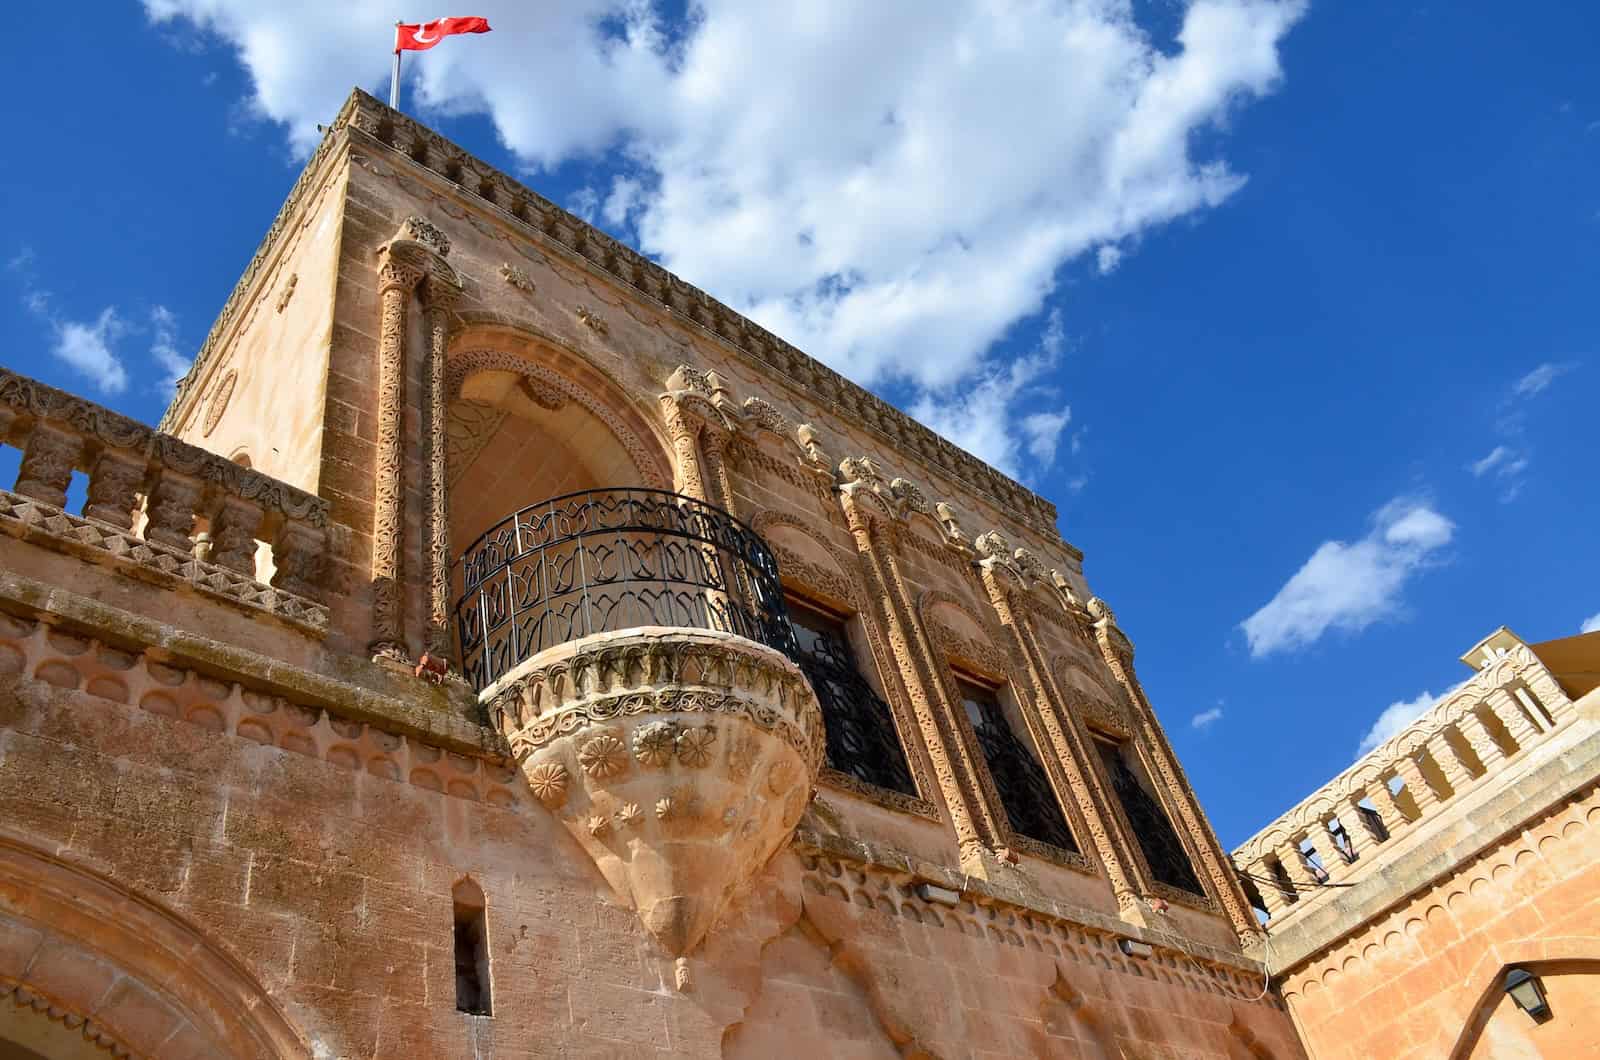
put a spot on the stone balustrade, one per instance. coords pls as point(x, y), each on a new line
point(1336, 835)
point(171, 509)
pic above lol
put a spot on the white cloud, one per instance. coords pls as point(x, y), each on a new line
point(1541, 377)
point(1107, 258)
point(1348, 586)
point(1506, 466)
point(894, 211)
point(164, 347)
point(1396, 716)
point(1206, 718)
point(86, 347)
point(982, 417)
point(1590, 624)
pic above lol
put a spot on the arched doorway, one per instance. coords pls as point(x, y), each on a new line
point(91, 969)
point(1499, 1030)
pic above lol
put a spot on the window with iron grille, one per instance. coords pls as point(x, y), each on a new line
point(1025, 792)
point(1158, 840)
point(861, 738)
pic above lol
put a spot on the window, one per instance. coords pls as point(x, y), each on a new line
point(1158, 840)
point(1025, 792)
point(861, 737)
point(472, 950)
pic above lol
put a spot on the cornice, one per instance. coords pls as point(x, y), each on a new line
point(762, 350)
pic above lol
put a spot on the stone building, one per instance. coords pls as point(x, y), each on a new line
point(502, 648)
point(1423, 902)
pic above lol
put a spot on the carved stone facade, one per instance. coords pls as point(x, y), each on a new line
point(244, 708)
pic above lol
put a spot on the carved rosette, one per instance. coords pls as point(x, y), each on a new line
point(680, 760)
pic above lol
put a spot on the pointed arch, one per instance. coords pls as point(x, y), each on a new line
point(161, 984)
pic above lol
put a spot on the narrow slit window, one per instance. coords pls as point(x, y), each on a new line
point(1159, 842)
point(1025, 792)
point(472, 950)
point(862, 741)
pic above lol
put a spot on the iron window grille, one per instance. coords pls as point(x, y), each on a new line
point(1025, 792)
point(862, 741)
point(610, 559)
point(1163, 850)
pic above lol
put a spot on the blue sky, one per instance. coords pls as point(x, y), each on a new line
point(1290, 307)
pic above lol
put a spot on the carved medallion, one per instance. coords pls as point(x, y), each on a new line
point(516, 278)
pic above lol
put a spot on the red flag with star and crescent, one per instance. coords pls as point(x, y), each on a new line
point(422, 36)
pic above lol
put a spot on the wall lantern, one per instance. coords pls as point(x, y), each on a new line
point(1528, 992)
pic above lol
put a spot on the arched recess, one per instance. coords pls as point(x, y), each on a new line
point(122, 972)
point(1568, 969)
point(527, 420)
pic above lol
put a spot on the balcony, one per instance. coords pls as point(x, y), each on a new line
point(633, 647)
point(600, 561)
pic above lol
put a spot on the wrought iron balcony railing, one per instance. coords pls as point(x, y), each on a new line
point(612, 559)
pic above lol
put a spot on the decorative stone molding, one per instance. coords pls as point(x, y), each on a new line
point(593, 321)
point(680, 760)
point(286, 293)
point(150, 681)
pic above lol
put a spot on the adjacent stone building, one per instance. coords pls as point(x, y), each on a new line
point(502, 648)
point(1458, 859)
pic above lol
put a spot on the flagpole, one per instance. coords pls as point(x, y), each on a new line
point(394, 78)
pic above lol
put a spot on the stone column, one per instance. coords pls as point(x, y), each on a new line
point(1388, 810)
point(440, 300)
point(683, 431)
point(113, 487)
point(398, 274)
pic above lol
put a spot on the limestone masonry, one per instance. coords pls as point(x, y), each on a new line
point(503, 649)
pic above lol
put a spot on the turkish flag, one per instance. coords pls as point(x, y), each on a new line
point(419, 38)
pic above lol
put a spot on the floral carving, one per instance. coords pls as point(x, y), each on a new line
point(549, 782)
point(694, 745)
point(653, 743)
point(665, 809)
point(514, 275)
point(595, 321)
point(629, 815)
point(603, 756)
point(599, 825)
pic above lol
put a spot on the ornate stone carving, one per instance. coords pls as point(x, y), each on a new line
point(427, 233)
point(594, 321)
point(516, 277)
point(171, 510)
point(219, 402)
point(287, 292)
point(116, 478)
point(48, 461)
point(686, 703)
point(233, 535)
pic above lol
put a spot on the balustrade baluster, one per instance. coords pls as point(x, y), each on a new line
point(233, 535)
point(299, 555)
point(1509, 711)
point(1449, 762)
point(114, 484)
point(1294, 863)
point(48, 460)
point(1422, 792)
point(1388, 810)
point(1275, 900)
point(172, 510)
point(1481, 740)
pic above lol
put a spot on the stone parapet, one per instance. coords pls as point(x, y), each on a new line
point(1394, 799)
point(162, 509)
